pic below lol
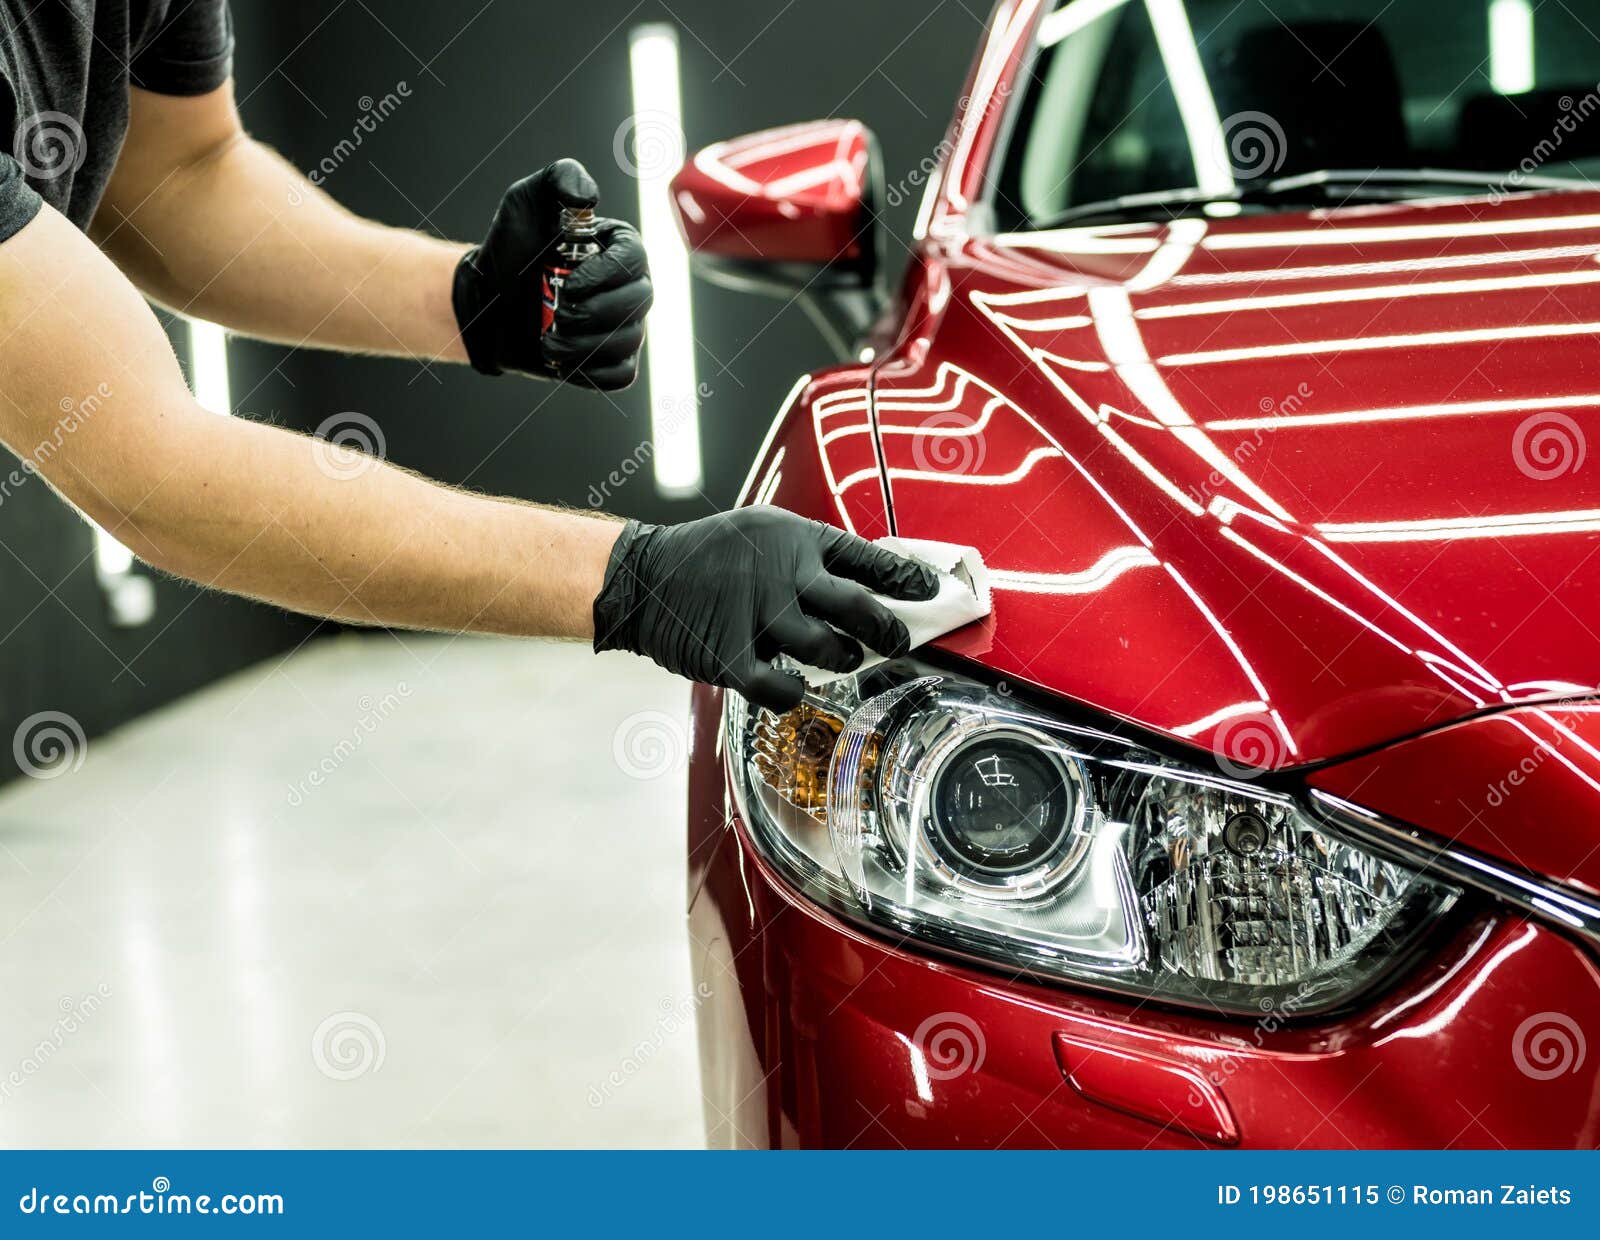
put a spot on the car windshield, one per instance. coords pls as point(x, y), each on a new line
point(1268, 104)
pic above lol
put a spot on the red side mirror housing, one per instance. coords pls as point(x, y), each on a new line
point(800, 198)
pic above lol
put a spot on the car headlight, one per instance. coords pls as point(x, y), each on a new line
point(927, 803)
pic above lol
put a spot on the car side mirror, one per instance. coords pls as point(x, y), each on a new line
point(791, 213)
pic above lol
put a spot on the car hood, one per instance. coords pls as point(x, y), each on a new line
point(1287, 486)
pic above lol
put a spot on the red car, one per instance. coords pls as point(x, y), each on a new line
point(1256, 350)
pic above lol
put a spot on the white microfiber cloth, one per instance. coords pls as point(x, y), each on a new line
point(963, 597)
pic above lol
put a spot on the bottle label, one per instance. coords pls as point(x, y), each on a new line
point(554, 279)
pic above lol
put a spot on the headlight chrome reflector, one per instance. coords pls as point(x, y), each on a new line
point(941, 809)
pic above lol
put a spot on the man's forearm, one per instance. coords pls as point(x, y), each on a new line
point(251, 508)
point(299, 523)
point(228, 231)
point(210, 223)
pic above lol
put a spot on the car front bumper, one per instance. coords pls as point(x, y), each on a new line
point(816, 1034)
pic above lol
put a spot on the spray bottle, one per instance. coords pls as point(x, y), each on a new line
point(579, 240)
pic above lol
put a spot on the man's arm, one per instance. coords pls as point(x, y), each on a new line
point(211, 223)
point(249, 508)
point(259, 511)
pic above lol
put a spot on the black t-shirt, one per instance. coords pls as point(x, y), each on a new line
point(65, 69)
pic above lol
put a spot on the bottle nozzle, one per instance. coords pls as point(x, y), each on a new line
point(579, 221)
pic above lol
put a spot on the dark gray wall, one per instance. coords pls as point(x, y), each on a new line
point(58, 651)
point(499, 93)
point(496, 90)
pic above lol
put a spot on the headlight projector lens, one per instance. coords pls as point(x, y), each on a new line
point(974, 821)
point(1005, 814)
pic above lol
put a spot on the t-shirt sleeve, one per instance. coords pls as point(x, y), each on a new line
point(191, 51)
point(18, 201)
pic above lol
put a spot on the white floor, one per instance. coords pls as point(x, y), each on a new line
point(386, 893)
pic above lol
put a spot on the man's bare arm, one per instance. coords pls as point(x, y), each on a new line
point(252, 509)
point(211, 223)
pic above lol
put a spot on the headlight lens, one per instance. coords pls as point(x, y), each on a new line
point(927, 803)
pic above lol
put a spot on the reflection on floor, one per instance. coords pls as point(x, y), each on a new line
point(393, 893)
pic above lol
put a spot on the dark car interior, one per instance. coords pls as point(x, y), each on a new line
point(1358, 85)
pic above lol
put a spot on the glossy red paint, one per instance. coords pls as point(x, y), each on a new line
point(1273, 479)
point(785, 195)
point(1520, 785)
point(812, 1035)
point(1148, 1084)
point(1304, 489)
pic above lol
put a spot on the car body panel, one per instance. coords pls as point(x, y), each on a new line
point(797, 195)
point(1308, 490)
point(1309, 549)
point(813, 1033)
point(1518, 785)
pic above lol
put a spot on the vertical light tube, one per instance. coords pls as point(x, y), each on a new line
point(129, 596)
point(1208, 145)
point(1511, 46)
point(1073, 18)
point(208, 366)
point(111, 558)
point(669, 351)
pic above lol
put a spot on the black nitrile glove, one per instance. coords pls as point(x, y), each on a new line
point(599, 326)
point(715, 600)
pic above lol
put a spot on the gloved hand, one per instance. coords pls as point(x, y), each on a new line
point(715, 600)
point(599, 326)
